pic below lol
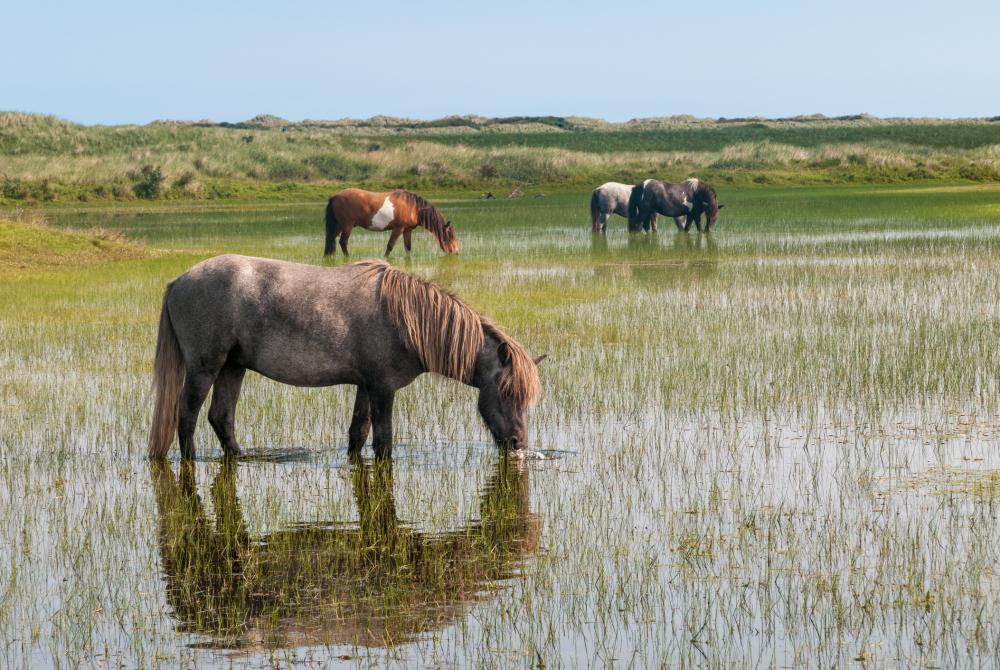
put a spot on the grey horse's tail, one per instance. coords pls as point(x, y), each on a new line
point(633, 208)
point(332, 228)
point(595, 207)
point(168, 378)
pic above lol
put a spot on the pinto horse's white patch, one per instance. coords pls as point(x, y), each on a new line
point(686, 204)
point(384, 216)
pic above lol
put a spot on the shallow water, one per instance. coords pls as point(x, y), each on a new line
point(771, 446)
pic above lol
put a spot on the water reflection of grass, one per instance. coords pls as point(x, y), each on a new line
point(378, 582)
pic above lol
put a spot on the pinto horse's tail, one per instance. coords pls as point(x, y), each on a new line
point(168, 378)
point(332, 229)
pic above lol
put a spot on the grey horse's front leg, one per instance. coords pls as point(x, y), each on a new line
point(361, 422)
point(381, 404)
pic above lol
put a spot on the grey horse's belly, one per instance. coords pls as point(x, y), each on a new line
point(304, 366)
point(300, 352)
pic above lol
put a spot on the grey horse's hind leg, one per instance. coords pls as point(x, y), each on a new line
point(381, 403)
point(222, 412)
point(361, 422)
point(193, 394)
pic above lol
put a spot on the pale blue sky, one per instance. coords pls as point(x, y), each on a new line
point(133, 62)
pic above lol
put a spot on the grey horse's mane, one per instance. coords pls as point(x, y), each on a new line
point(446, 334)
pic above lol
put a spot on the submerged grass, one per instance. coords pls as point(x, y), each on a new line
point(751, 427)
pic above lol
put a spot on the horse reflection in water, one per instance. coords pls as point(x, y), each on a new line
point(375, 584)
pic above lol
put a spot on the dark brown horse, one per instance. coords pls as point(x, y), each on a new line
point(685, 201)
point(365, 324)
point(399, 211)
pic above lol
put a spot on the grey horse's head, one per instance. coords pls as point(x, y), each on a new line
point(508, 384)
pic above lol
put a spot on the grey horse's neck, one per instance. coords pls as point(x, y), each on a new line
point(486, 360)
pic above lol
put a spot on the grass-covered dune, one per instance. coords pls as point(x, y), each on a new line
point(46, 159)
point(27, 245)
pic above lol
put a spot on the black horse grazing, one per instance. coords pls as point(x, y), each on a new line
point(685, 201)
point(365, 324)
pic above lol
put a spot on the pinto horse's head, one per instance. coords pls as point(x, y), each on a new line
point(447, 240)
point(508, 384)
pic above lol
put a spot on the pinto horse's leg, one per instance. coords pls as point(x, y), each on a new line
point(381, 402)
point(361, 423)
point(222, 411)
point(396, 232)
point(680, 222)
point(345, 234)
point(196, 386)
point(408, 239)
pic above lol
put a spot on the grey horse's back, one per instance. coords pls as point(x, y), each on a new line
point(299, 324)
point(613, 197)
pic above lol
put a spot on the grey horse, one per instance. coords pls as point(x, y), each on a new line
point(607, 199)
point(365, 324)
point(686, 201)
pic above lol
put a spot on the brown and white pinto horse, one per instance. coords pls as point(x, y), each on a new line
point(399, 211)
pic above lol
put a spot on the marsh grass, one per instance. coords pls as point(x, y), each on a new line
point(752, 428)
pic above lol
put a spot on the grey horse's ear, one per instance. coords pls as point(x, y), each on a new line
point(541, 358)
point(503, 353)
